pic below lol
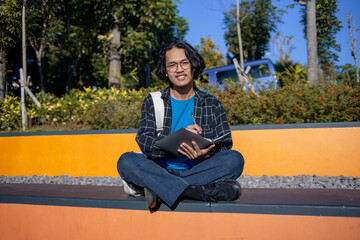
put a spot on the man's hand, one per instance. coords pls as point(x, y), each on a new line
point(195, 152)
point(194, 128)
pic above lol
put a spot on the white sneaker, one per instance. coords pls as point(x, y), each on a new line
point(132, 189)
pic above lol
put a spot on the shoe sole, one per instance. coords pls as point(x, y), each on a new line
point(151, 199)
point(237, 186)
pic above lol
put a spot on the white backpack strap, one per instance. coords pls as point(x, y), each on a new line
point(159, 109)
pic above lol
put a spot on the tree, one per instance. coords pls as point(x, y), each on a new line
point(38, 24)
point(284, 65)
point(77, 17)
point(51, 37)
point(145, 26)
point(74, 43)
point(347, 73)
point(311, 33)
point(72, 39)
point(10, 26)
point(258, 19)
point(352, 45)
point(114, 59)
point(210, 52)
point(327, 25)
point(285, 48)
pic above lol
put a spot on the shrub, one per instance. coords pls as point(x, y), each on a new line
point(296, 103)
point(115, 109)
point(111, 109)
point(10, 113)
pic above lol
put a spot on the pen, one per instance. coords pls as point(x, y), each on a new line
point(192, 115)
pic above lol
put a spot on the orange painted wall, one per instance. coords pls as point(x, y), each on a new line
point(19, 221)
point(321, 151)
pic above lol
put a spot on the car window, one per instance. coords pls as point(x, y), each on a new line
point(221, 76)
point(258, 71)
point(205, 77)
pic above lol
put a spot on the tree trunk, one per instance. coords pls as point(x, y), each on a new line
point(2, 74)
point(353, 31)
point(69, 78)
point(115, 60)
point(42, 73)
point(253, 52)
point(24, 57)
point(69, 72)
point(148, 70)
point(39, 59)
point(312, 59)
point(40, 55)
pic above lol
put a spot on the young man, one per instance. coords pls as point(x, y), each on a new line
point(207, 174)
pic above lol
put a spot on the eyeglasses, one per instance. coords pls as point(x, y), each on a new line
point(173, 67)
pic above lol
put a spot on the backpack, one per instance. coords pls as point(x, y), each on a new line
point(159, 110)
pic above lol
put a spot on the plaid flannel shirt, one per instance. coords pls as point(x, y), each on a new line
point(209, 115)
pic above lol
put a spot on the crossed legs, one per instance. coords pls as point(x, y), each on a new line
point(141, 171)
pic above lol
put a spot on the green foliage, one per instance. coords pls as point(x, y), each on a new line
point(327, 26)
point(293, 73)
point(10, 114)
point(347, 74)
point(210, 52)
point(91, 108)
point(296, 103)
point(10, 22)
point(110, 109)
point(76, 35)
point(116, 109)
point(260, 20)
point(148, 25)
point(38, 15)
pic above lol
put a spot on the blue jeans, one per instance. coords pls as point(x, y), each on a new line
point(169, 185)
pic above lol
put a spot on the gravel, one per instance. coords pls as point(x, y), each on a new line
point(247, 181)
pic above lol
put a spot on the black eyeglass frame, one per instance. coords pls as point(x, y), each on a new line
point(174, 66)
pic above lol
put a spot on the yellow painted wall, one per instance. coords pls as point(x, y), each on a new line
point(320, 151)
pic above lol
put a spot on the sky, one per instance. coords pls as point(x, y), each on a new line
point(206, 19)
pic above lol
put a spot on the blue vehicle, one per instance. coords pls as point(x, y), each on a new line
point(262, 73)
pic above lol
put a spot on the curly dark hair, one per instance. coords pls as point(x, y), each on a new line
point(196, 60)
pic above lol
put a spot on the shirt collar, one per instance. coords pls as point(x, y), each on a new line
point(165, 94)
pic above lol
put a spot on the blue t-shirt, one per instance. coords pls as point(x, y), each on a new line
point(180, 118)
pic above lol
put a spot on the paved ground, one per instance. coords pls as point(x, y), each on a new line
point(247, 181)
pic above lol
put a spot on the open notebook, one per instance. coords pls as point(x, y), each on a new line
point(171, 143)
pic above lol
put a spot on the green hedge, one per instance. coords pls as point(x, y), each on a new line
point(111, 109)
point(297, 103)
